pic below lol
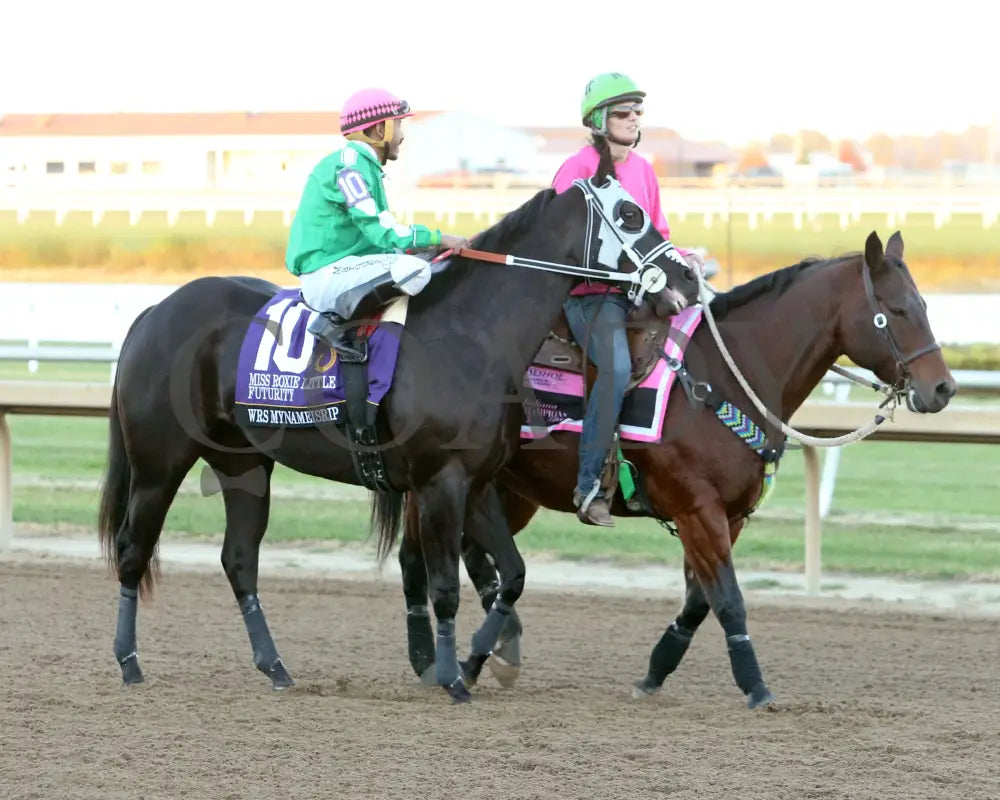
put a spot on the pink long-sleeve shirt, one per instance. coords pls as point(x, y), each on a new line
point(636, 176)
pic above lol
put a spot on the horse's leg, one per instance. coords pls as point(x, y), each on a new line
point(441, 507)
point(154, 484)
point(486, 524)
point(675, 640)
point(247, 509)
point(419, 635)
point(505, 663)
point(482, 571)
point(707, 538)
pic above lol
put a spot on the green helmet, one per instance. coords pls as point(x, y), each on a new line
point(605, 90)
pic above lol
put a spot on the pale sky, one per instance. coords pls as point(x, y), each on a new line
point(711, 68)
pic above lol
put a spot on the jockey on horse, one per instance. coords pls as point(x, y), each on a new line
point(344, 244)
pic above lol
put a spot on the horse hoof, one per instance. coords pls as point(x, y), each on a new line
point(505, 672)
point(510, 650)
point(427, 677)
point(759, 697)
point(131, 673)
point(458, 692)
point(644, 689)
point(280, 679)
point(281, 682)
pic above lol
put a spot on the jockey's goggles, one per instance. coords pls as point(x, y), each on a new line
point(624, 111)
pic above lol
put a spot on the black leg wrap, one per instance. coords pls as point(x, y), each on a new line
point(667, 655)
point(505, 663)
point(125, 649)
point(420, 639)
point(446, 667)
point(512, 629)
point(746, 670)
point(447, 660)
point(265, 654)
point(484, 640)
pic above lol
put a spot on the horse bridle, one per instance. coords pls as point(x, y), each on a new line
point(881, 323)
point(652, 278)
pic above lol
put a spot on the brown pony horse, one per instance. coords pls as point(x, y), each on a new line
point(785, 330)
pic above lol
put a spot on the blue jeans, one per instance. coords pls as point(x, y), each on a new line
point(608, 349)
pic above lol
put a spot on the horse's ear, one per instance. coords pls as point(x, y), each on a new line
point(873, 251)
point(894, 247)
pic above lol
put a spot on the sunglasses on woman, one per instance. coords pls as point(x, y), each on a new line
point(625, 111)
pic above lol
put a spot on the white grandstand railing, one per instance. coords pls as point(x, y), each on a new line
point(75, 353)
point(711, 203)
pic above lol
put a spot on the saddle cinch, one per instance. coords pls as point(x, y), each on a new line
point(358, 421)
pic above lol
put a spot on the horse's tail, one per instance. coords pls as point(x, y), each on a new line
point(388, 509)
point(117, 479)
point(117, 482)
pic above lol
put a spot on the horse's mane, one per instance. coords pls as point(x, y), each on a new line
point(513, 224)
point(496, 239)
point(776, 283)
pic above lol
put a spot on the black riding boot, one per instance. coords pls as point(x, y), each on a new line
point(335, 331)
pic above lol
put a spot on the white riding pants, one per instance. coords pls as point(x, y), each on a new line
point(322, 287)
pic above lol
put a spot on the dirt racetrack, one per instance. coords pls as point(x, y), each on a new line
point(872, 704)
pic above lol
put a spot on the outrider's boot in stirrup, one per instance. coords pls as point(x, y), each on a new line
point(596, 512)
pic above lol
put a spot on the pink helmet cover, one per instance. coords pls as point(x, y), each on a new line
point(370, 106)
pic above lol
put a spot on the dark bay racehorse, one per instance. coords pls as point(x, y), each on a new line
point(467, 342)
point(784, 330)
